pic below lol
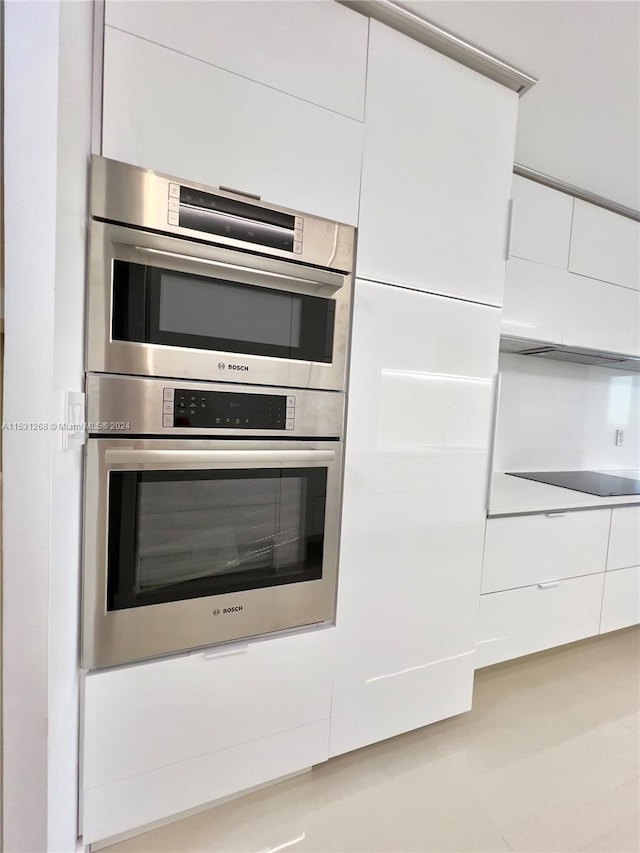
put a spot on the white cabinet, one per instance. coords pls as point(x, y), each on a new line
point(529, 549)
point(541, 223)
point(624, 542)
point(418, 425)
point(164, 737)
point(436, 174)
point(522, 621)
point(605, 245)
point(316, 51)
point(534, 301)
point(601, 316)
point(174, 114)
point(621, 600)
point(542, 303)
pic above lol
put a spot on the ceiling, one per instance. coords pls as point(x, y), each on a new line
point(581, 122)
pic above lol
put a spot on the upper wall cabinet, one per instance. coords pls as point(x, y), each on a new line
point(171, 113)
point(605, 245)
point(316, 51)
point(541, 223)
point(436, 172)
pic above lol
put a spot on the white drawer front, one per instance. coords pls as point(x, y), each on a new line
point(521, 621)
point(534, 301)
point(139, 718)
point(283, 45)
point(621, 599)
point(605, 245)
point(541, 228)
point(527, 549)
point(624, 542)
point(132, 803)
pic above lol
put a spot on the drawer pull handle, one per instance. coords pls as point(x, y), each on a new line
point(226, 652)
point(555, 514)
point(548, 585)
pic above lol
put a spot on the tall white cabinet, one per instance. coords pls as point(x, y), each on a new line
point(420, 404)
point(436, 172)
point(436, 181)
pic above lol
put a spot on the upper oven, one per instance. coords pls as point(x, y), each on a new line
point(195, 283)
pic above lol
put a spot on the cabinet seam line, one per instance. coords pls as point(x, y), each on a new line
point(234, 73)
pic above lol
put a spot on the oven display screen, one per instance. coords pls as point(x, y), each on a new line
point(224, 410)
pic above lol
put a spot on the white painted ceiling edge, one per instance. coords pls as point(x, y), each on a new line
point(581, 123)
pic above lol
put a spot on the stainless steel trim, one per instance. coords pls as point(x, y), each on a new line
point(109, 242)
point(396, 16)
point(214, 458)
point(97, 76)
point(576, 192)
point(138, 197)
point(139, 404)
point(112, 637)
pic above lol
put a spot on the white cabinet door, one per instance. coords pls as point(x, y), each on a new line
point(420, 403)
point(522, 621)
point(314, 50)
point(534, 301)
point(526, 549)
point(601, 316)
point(174, 727)
point(178, 115)
point(605, 245)
point(621, 599)
point(541, 223)
point(624, 542)
point(436, 177)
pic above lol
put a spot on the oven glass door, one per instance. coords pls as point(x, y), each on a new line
point(184, 534)
point(166, 306)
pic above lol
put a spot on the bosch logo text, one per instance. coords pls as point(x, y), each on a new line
point(222, 366)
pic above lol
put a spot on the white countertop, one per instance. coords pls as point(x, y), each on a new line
point(510, 495)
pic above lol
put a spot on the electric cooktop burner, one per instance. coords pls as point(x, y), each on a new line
point(602, 485)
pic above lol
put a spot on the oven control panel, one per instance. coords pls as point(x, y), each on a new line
point(225, 410)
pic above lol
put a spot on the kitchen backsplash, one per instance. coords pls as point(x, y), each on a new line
point(556, 416)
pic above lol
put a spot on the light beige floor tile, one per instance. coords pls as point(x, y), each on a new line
point(631, 722)
point(625, 838)
point(538, 789)
point(584, 825)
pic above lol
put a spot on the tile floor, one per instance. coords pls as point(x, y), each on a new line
point(548, 759)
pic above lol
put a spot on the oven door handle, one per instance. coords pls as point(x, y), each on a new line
point(321, 280)
point(131, 456)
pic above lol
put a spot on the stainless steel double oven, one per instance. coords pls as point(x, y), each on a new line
point(218, 333)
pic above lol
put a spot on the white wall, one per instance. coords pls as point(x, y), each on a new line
point(47, 134)
point(555, 416)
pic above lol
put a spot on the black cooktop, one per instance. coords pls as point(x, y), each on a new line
point(602, 485)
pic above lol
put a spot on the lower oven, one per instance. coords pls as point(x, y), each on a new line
point(218, 521)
